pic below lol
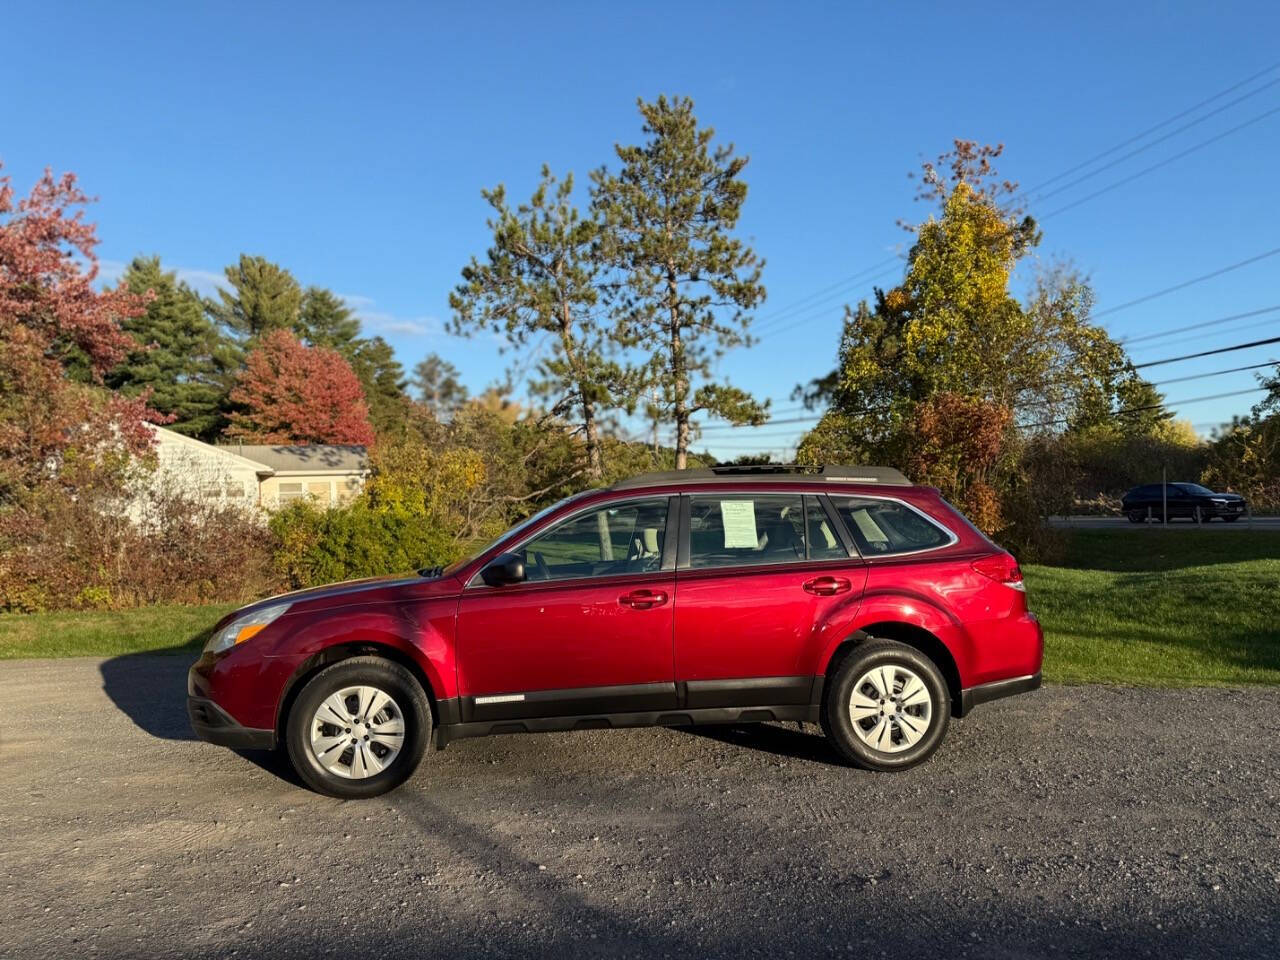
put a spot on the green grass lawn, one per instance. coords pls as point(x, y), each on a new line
point(106, 633)
point(1142, 606)
point(1164, 608)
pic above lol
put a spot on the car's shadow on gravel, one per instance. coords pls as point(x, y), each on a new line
point(151, 690)
point(782, 741)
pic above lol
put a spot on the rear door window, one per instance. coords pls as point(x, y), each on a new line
point(885, 527)
point(727, 530)
point(730, 530)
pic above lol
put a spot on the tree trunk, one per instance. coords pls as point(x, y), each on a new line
point(679, 380)
point(595, 461)
point(591, 433)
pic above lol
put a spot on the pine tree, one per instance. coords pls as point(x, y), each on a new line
point(179, 354)
point(382, 378)
point(540, 277)
point(263, 297)
point(668, 216)
point(439, 387)
point(326, 321)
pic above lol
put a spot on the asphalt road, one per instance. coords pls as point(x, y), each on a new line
point(1179, 524)
point(1068, 822)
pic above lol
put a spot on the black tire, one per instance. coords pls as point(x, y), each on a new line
point(839, 723)
point(1136, 516)
point(390, 678)
point(1231, 519)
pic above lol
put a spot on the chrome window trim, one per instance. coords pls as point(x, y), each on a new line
point(953, 537)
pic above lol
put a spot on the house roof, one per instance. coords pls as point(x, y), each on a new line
point(232, 454)
point(306, 458)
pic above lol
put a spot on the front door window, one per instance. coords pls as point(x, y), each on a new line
point(619, 539)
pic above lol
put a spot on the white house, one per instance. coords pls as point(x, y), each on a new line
point(266, 475)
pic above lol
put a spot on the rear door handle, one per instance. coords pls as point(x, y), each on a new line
point(827, 586)
point(643, 599)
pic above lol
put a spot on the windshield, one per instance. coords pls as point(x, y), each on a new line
point(511, 534)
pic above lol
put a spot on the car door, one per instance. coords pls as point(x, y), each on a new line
point(589, 631)
point(758, 574)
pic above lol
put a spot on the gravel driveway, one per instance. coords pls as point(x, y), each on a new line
point(1070, 821)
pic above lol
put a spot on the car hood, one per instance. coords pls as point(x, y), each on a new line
point(350, 589)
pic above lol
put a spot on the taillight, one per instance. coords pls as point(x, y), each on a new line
point(1002, 568)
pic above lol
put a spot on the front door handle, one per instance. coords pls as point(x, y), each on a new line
point(643, 599)
point(827, 586)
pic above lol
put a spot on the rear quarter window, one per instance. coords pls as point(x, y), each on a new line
point(888, 527)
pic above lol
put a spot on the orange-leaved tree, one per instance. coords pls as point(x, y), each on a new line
point(291, 393)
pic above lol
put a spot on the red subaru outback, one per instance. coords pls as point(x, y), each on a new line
point(841, 596)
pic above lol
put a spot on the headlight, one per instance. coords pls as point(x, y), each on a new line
point(243, 627)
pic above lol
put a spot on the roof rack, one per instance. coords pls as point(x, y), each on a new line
point(768, 473)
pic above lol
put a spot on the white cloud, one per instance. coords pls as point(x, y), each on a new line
point(378, 321)
point(373, 321)
point(204, 282)
point(110, 271)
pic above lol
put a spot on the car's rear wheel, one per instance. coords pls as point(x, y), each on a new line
point(358, 728)
point(1136, 516)
point(888, 706)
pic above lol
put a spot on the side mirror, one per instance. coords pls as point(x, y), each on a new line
point(504, 570)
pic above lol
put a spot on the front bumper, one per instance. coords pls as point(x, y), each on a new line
point(210, 722)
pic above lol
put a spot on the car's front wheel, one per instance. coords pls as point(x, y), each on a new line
point(358, 728)
point(888, 706)
point(1136, 516)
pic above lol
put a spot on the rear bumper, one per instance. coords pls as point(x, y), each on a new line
point(986, 692)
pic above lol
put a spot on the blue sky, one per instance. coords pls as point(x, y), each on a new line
point(350, 142)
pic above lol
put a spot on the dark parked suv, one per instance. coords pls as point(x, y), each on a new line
point(1184, 500)
point(844, 596)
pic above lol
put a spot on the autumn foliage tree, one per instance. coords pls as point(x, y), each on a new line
point(65, 442)
point(291, 393)
point(52, 318)
point(947, 373)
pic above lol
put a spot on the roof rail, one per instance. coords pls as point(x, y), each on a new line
point(767, 473)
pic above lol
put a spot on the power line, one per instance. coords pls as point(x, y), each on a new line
point(1147, 146)
point(793, 307)
point(1186, 283)
point(1032, 404)
point(1150, 130)
point(806, 304)
point(1156, 166)
point(806, 319)
point(1215, 373)
point(1207, 353)
point(1155, 406)
point(1197, 326)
